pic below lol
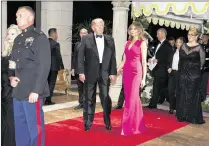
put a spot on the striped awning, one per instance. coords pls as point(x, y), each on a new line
point(192, 9)
point(181, 15)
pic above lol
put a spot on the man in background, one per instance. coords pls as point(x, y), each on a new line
point(82, 33)
point(120, 99)
point(56, 63)
point(172, 42)
point(160, 71)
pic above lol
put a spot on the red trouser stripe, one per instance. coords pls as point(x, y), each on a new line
point(38, 119)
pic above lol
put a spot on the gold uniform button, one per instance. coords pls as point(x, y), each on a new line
point(26, 47)
point(19, 43)
point(17, 60)
point(18, 51)
point(21, 34)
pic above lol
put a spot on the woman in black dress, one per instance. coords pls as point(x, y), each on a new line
point(192, 58)
point(7, 123)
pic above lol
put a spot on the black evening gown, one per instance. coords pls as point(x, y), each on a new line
point(7, 116)
point(188, 93)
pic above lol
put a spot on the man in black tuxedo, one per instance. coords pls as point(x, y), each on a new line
point(98, 50)
point(56, 63)
point(82, 33)
point(173, 79)
point(163, 55)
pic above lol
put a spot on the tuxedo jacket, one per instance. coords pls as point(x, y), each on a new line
point(56, 58)
point(75, 56)
point(164, 55)
point(91, 67)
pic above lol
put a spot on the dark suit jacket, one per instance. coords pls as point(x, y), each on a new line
point(33, 61)
point(164, 56)
point(75, 56)
point(91, 66)
point(56, 58)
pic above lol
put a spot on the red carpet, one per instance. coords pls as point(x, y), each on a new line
point(71, 133)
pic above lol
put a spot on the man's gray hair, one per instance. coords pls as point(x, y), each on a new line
point(29, 9)
point(163, 30)
point(93, 21)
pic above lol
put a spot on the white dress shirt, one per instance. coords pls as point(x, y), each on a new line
point(175, 62)
point(152, 65)
point(100, 46)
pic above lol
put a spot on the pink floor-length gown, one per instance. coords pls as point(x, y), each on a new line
point(133, 118)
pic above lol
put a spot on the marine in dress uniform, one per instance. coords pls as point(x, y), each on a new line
point(30, 62)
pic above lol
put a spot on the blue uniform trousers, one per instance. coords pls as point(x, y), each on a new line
point(29, 123)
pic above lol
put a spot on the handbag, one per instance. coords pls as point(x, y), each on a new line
point(62, 82)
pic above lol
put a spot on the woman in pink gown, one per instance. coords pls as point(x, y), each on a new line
point(134, 74)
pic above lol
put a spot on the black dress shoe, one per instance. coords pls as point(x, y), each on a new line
point(80, 106)
point(171, 111)
point(117, 107)
point(180, 120)
point(87, 128)
point(151, 107)
point(49, 103)
point(161, 101)
point(108, 127)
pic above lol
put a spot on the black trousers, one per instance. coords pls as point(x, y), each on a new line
point(90, 101)
point(52, 81)
point(80, 89)
point(160, 85)
point(172, 88)
point(121, 97)
point(204, 85)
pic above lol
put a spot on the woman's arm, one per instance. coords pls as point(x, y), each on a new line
point(144, 60)
point(121, 64)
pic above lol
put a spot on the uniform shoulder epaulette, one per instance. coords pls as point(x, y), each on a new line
point(39, 31)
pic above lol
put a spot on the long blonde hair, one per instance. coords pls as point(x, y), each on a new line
point(7, 47)
point(139, 27)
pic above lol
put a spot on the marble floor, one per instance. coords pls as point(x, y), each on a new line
point(191, 135)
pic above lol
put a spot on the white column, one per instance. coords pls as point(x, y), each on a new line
point(120, 26)
point(3, 23)
point(59, 15)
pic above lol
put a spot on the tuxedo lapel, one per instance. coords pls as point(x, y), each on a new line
point(159, 47)
point(94, 45)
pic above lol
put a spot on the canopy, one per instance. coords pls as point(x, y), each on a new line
point(181, 15)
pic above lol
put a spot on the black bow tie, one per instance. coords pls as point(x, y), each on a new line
point(98, 36)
